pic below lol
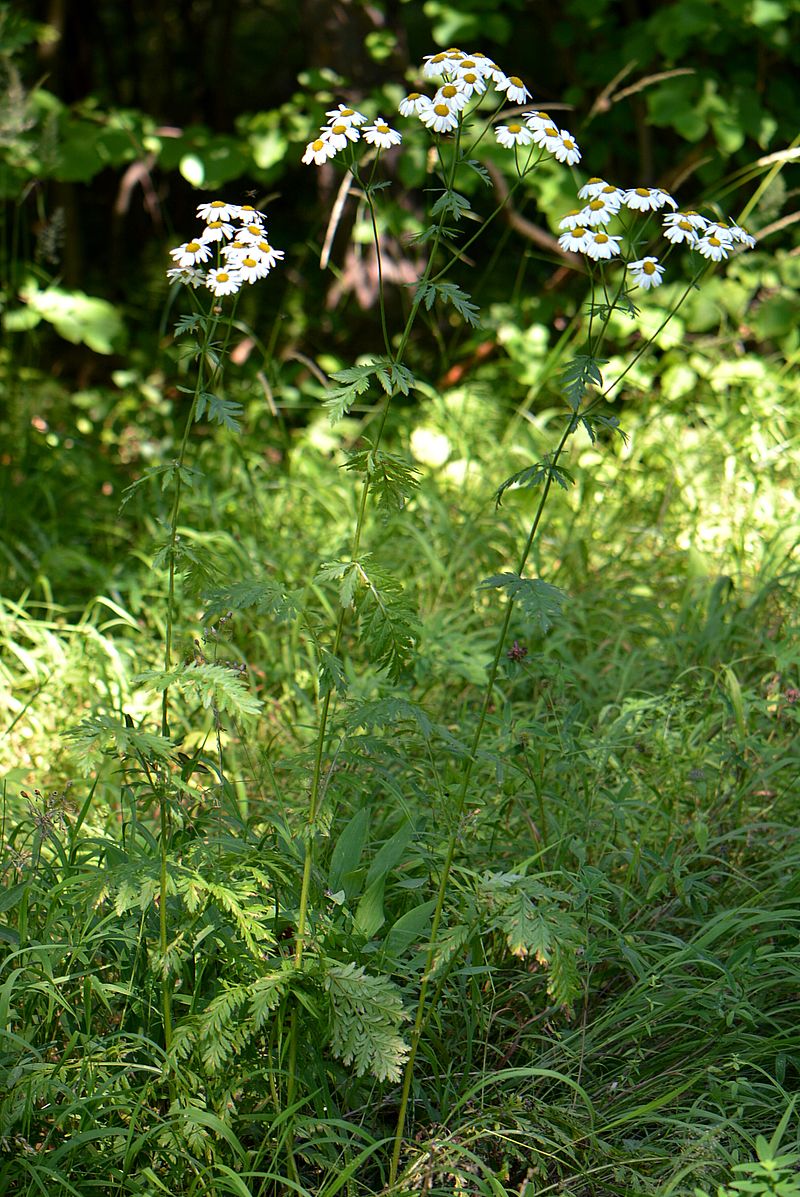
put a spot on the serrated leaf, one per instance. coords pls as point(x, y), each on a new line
point(268, 598)
point(451, 204)
point(450, 293)
point(541, 601)
point(189, 322)
point(535, 475)
point(392, 479)
point(222, 411)
point(583, 371)
point(331, 674)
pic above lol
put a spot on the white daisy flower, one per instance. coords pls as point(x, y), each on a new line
point(453, 95)
point(512, 85)
point(224, 282)
point(338, 135)
point(695, 219)
point(248, 214)
point(591, 188)
point(235, 250)
point(217, 210)
point(251, 269)
point(598, 211)
point(318, 151)
point(646, 273)
point(546, 136)
point(575, 239)
point(712, 247)
point(613, 196)
point(680, 231)
point(434, 65)
point(440, 118)
point(341, 115)
point(511, 135)
point(572, 219)
point(190, 253)
point(187, 275)
point(567, 148)
point(413, 104)
point(601, 245)
point(647, 199)
point(741, 236)
point(718, 229)
point(251, 232)
point(217, 230)
point(381, 135)
point(265, 253)
point(472, 82)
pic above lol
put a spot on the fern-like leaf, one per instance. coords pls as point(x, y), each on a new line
point(541, 602)
point(215, 685)
point(366, 1015)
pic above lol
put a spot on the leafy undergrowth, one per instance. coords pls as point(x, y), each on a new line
point(616, 982)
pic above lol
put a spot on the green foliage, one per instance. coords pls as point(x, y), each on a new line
point(392, 377)
point(392, 480)
point(451, 293)
point(541, 602)
point(366, 1014)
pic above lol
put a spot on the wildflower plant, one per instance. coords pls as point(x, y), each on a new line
point(616, 232)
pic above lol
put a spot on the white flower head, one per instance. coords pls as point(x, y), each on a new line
point(319, 151)
point(191, 253)
point(413, 104)
point(546, 136)
point(251, 232)
point(598, 211)
point(592, 187)
point(537, 119)
point(251, 268)
point(471, 78)
point(646, 273)
point(647, 199)
point(601, 245)
point(710, 246)
point(566, 149)
point(217, 230)
point(218, 210)
point(452, 94)
point(512, 85)
point(223, 281)
point(266, 254)
point(511, 135)
point(440, 118)
point(250, 215)
point(381, 135)
point(741, 236)
point(575, 239)
point(186, 275)
point(572, 219)
point(342, 115)
point(435, 65)
point(339, 134)
point(679, 231)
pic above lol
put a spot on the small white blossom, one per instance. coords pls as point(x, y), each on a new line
point(342, 115)
point(592, 187)
point(413, 104)
point(217, 210)
point(251, 232)
point(434, 65)
point(601, 245)
point(512, 85)
point(471, 78)
point(265, 254)
point(318, 151)
point(598, 211)
point(338, 135)
point(571, 220)
point(646, 273)
point(187, 275)
point(440, 118)
point(712, 247)
point(381, 135)
point(680, 231)
point(567, 148)
point(217, 230)
point(715, 229)
point(248, 214)
point(537, 120)
point(251, 268)
point(575, 240)
point(453, 95)
point(224, 282)
point(647, 199)
point(546, 136)
point(511, 135)
point(190, 253)
point(741, 236)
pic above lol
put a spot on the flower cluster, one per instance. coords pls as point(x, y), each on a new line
point(232, 249)
point(586, 229)
point(346, 125)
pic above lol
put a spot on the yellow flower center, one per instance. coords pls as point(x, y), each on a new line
point(382, 128)
point(317, 145)
point(685, 224)
point(569, 145)
point(594, 178)
point(215, 224)
point(255, 229)
point(249, 263)
point(545, 116)
point(441, 110)
point(551, 132)
point(222, 276)
point(449, 91)
point(515, 128)
point(600, 238)
point(597, 205)
point(470, 78)
point(714, 241)
point(347, 111)
point(642, 190)
point(438, 58)
point(579, 232)
point(515, 79)
point(247, 208)
point(414, 95)
point(192, 247)
point(609, 190)
point(265, 247)
point(649, 268)
point(468, 63)
point(338, 129)
point(217, 204)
